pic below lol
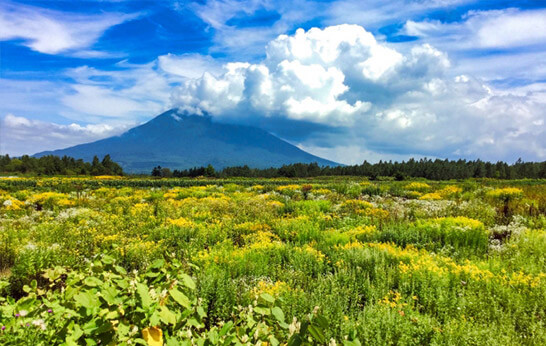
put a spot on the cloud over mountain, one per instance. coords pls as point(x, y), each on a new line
point(384, 100)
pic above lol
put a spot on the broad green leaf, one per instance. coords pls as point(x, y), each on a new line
point(261, 310)
point(172, 342)
point(111, 315)
point(316, 333)
point(278, 314)
point(213, 337)
point(226, 328)
point(273, 341)
point(188, 281)
point(87, 299)
point(109, 294)
point(321, 321)
point(144, 294)
point(267, 297)
point(295, 340)
point(107, 259)
point(77, 332)
point(180, 298)
point(167, 316)
point(201, 312)
point(154, 319)
point(158, 263)
point(123, 328)
point(92, 281)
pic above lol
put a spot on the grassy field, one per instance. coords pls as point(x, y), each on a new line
point(338, 261)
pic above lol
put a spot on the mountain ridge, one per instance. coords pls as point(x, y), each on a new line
point(181, 141)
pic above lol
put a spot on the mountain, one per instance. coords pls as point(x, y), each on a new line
point(185, 141)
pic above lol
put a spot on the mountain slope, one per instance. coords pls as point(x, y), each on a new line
point(185, 141)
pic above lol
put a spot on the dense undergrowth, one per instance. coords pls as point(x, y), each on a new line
point(319, 261)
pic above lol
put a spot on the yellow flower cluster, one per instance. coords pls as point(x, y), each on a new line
point(417, 186)
point(507, 192)
point(355, 206)
point(139, 208)
point(321, 192)
point(181, 222)
point(107, 177)
point(449, 191)
point(275, 204)
point(377, 213)
point(459, 221)
point(11, 203)
point(47, 196)
point(261, 240)
point(431, 196)
point(288, 188)
point(362, 231)
point(316, 254)
point(275, 289)
point(393, 300)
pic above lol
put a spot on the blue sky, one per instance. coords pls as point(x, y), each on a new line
point(347, 80)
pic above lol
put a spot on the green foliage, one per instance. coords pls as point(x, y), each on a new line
point(271, 261)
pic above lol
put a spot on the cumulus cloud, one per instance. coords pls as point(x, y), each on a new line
point(53, 32)
point(19, 135)
point(395, 102)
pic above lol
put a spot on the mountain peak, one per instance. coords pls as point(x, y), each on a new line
point(181, 140)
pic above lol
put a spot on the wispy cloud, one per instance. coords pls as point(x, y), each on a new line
point(495, 29)
point(54, 32)
point(377, 13)
point(19, 135)
point(247, 41)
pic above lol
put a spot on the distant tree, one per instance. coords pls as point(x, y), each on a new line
point(111, 167)
point(166, 172)
point(209, 171)
point(96, 166)
point(156, 172)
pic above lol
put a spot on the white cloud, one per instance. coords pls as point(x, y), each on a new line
point(189, 65)
point(247, 41)
point(356, 154)
point(400, 103)
point(54, 32)
point(19, 135)
point(509, 28)
point(498, 29)
point(376, 13)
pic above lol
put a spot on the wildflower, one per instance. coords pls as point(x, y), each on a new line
point(39, 323)
point(294, 327)
point(3, 328)
point(49, 311)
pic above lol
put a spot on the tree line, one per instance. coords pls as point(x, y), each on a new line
point(55, 165)
point(423, 168)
